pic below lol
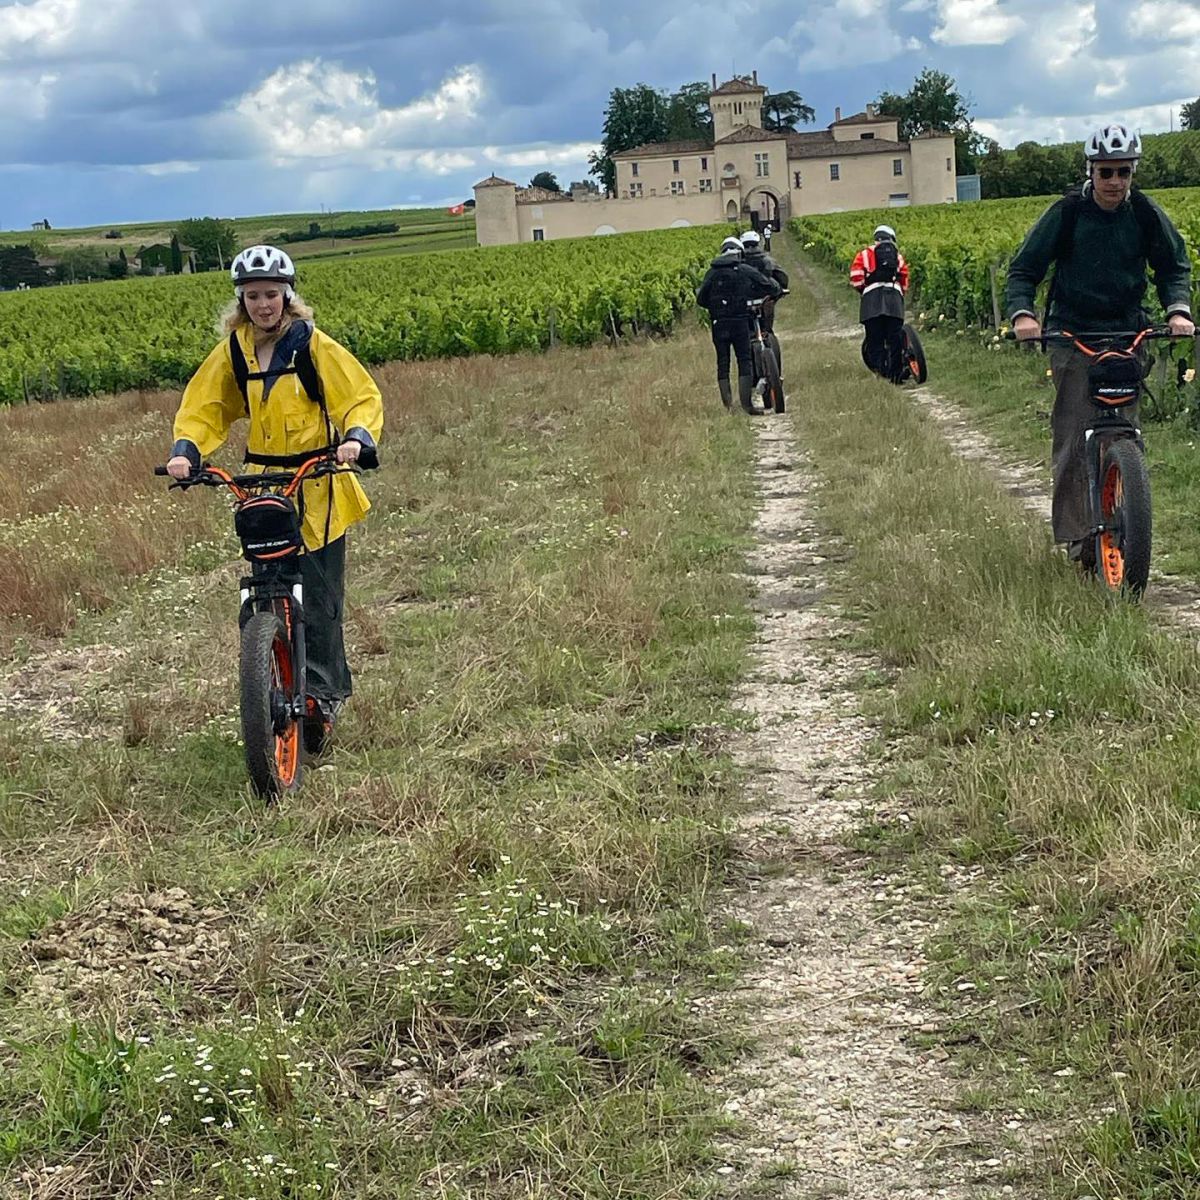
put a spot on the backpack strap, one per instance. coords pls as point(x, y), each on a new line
point(1071, 205)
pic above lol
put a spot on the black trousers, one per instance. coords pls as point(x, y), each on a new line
point(883, 346)
point(732, 333)
point(324, 577)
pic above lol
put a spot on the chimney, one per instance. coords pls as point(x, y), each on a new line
point(755, 75)
point(714, 81)
point(837, 114)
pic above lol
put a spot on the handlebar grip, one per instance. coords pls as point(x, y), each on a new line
point(161, 471)
point(368, 458)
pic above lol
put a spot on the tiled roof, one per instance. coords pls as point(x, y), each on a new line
point(665, 149)
point(832, 149)
point(540, 195)
point(495, 181)
point(737, 87)
point(752, 133)
point(863, 118)
point(820, 137)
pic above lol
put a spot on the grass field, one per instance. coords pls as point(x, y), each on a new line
point(460, 961)
point(420, 229)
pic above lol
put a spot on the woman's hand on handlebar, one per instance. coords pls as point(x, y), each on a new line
point(349, 450)
point(1181, 325)
point(179, 467)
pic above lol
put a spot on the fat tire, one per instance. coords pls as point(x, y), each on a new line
point(774, 397)
point(259, 637)
point(914, 355)
point(1125, 456)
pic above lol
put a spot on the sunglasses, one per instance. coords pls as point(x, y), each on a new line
point(1120, 172)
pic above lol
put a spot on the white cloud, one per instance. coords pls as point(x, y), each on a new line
point(317, 110)
point(974, 23)
point(1165, 21)
point(541, 156)
point(40, 25)
point(1023, 126)
point(1063, 34)
point(174, 167)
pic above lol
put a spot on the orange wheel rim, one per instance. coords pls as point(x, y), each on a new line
point(287, 744)
point(1112, 559)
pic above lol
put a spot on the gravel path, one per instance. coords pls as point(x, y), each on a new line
point(847, 1092)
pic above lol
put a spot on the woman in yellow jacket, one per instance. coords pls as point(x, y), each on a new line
point(264, 370)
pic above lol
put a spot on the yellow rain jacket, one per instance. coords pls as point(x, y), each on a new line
point(288, 420)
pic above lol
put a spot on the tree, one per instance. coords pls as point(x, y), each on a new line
point(634, 116)
point(783, 110)
point(1189, 115)
point(214, 241)
point(547, 180)
point(118, 267)
point(689, 117)
point(176, 255)
point(934, 104)
point(19, 265)
point(78, 264)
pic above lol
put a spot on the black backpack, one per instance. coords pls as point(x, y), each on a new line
point(887, 263)
point(1071, 205)
point(725, 295)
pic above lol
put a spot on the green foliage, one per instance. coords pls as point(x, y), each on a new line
point(547, 180)
point(215, 241)
point(19, 266)
point(81, 263)
point(641, 114)
point(496, 300)
point(951, 249)
point(314, 231)
point(786, 110)
point(1189, 115)
point(934, 103)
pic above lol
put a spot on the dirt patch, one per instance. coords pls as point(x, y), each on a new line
point(62, 694)
point(847, 1092)
point(125, 951)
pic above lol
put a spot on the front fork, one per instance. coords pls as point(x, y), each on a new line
point(1096, 442)
point(286, 600)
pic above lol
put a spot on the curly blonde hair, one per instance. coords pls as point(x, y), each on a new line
point(234, 316)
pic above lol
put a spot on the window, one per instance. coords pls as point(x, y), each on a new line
point(866, 137)
point(737, 107)
point(762, 165)
point(704, 164)
point(948, 166)
point(897, 166)
point(633, 168)
point(539, 235)
point(797, 181)
point(676, 187)
point(706, 185)
point(635, 191)
point(675, 165)
point(835, 170)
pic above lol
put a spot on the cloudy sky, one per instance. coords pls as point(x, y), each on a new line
point(117, 110)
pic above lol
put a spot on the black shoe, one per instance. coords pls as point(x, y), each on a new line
point(1083, 552)
point(319, 719)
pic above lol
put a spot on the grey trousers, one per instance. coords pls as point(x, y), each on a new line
point(1073, 413)
point(324, 575)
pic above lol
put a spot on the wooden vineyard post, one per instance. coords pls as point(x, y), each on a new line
point(995, 296)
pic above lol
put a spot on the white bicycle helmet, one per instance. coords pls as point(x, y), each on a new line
point(1113, 141)
point(730, 244)
point(884, 233)
point(263, 262)
point(750, 239)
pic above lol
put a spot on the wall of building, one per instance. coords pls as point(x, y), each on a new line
point(496, 215)
point(933, 170)
point(886, 129)
point(583, 218)
point(865, 181)
point(657, 174)
point(730, 112)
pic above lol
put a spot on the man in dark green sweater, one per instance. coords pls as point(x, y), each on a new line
point(1102, 240)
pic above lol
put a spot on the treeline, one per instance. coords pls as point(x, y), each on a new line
point(314, 232)
point(1169, 160)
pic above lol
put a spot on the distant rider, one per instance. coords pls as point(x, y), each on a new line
point(1102, 237)
point(757, 255)
point(880, 275)
point(726, 292)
